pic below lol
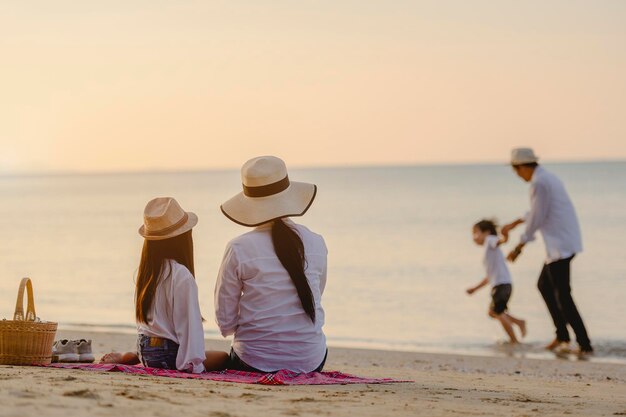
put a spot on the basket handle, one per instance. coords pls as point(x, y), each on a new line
point(19, 305)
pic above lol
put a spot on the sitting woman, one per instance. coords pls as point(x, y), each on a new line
point(269, 288)
point(166, 296)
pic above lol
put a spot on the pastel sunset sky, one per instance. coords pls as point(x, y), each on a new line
point(123, 85)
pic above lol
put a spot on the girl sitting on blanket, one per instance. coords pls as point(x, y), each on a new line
point(166, 296)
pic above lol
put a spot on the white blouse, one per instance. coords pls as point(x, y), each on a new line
point(175, 315)
point(256, 300)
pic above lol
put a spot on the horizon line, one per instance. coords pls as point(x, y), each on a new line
point(153, 171)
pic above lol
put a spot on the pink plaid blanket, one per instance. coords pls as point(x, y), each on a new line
point(283, 377)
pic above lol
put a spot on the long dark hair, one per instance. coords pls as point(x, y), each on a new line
point(290, 251)
point(154, 256)
point(487, 225)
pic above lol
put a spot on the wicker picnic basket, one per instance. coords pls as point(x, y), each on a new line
point(26, 340)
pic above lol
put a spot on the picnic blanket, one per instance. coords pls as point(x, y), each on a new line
point(283, 377)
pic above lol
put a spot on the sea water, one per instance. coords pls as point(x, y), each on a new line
point(399, 239)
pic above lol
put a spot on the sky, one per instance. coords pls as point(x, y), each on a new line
point(190, 85)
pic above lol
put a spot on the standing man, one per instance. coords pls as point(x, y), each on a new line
point(552, 213)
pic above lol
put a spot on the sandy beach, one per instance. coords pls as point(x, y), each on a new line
point(444, 385)
point(430, 192)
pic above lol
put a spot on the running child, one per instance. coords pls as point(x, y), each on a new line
point(498, 276)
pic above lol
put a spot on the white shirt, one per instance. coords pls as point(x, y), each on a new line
point(553, 213)
point(256, 300)
point(175, 315)
point(497, 271)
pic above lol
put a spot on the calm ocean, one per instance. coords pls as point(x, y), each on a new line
point(400, 259)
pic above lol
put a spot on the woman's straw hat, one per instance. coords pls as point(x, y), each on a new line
point(163, 218)
point(268, 194)
point(520, 156)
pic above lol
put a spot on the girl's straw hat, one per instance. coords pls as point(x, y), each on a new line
point(268, 194)
point(163, 218)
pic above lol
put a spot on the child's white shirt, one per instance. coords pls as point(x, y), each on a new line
point(175, 315)
point(495, 264)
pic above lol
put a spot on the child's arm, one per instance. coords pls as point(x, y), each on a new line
point(508, 227)
point(481, 284)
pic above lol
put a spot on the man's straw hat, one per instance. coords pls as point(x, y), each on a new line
point(520, 156)
point(268, 194)
point(163, 218)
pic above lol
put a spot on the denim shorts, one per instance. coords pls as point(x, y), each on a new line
point(156, 352)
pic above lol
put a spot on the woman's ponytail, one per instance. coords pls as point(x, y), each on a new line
point(290, 251)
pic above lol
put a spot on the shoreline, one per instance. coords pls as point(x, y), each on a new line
point(445, 384)
point(105, 342)
point(532, 350)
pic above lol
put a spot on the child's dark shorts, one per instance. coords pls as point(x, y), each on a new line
point(156, 352)
point(500, 295)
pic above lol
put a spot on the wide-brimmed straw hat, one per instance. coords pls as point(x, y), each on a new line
point(268, 194)
point(520, 156)
point(163, 218)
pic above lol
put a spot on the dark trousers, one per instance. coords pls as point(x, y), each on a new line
point(554, 285)
point(235, 363)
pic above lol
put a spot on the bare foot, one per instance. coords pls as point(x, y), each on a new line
point(583, 354)
point(552, 345)
point(128, 358)
point(563, 349)
point(113, 357)
point(522, 327)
